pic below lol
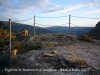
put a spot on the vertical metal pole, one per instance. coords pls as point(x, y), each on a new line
point(69, 23)
point(9, 40)
point(34, 25)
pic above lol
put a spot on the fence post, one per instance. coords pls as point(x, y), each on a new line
point(34, 25)
point(9, 41)
point(69, 23)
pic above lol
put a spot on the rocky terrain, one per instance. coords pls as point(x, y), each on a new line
point(95, 32)
point(59, 55)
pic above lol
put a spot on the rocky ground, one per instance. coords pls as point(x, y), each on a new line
point(71, 58)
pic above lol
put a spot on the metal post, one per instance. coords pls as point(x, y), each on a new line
point(69, 23)
point(34, 25)
point(9, 40)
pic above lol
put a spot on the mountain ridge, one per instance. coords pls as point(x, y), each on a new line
point(17, 27)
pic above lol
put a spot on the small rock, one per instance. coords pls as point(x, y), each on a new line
point(63, 64)
point(47, 55)
point(55, 52)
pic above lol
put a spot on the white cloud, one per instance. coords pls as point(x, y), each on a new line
point(23, 6)
point(93, 11)
point(7, 17)
point(5, 3)
point(9, 7)
point(92, 3)
point(59, 10)
point(51, 7)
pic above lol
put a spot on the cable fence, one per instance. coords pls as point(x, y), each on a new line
point(68, 24)
point(7, 52)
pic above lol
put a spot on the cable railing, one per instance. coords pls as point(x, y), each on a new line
point(66, 24)
point(51, 24)
point(52, 17)
point(4, 38)
point(84, 17)
point(24, 20)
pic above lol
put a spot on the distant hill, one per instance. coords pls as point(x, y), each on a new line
point(74, 30)
point(95, 32)
point(17, 27)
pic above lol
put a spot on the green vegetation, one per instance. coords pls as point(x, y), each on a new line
point(17, 45)
point(3, 34)
point(35, 45)
point(86, 38)
point(2, 44)
point(4, 62)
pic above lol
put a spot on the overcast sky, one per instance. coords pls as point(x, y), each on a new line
point(24, 9)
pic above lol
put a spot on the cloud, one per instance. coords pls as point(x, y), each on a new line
point(93, 11)
point(23, 6)
point(19, 7)
point(7, 17)
point(5, 3)
point(59, 10)
point(92, 3)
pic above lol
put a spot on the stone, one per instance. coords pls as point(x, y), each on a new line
point(63, 64)
point(55, 52)
point(48, 55)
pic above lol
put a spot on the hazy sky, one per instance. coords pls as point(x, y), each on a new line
point(24, 9)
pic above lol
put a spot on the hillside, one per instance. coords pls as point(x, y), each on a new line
point(74, 30)
point(95, 33)
point(17, 27)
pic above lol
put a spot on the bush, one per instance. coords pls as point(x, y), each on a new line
point(2, 44)
point(36, 45)
point(17, 45)
point(51, 45)
point(86, 38)
point(73, 37)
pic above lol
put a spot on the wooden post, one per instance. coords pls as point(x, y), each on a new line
point(34, 25)
point(69, 23)
point(9, 40)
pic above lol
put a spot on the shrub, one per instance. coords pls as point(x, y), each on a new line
point(35, 45)
point(2, 44)
point(17, 45)
point(51, 45)
point(86, 38)
point(73, 37)
point(59, 34)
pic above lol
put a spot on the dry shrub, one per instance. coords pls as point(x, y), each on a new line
point(62, 34)
point(73, 37)
point(86, 38)
point(60, 44)
point(51, 45)
point(17, 45)
point(35, 45)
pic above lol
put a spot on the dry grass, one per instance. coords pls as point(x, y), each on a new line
point(51, 45)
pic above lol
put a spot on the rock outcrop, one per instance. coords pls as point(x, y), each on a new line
point(95, 33)
point(46, 60)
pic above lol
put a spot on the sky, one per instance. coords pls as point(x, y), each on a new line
point(18, 10)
